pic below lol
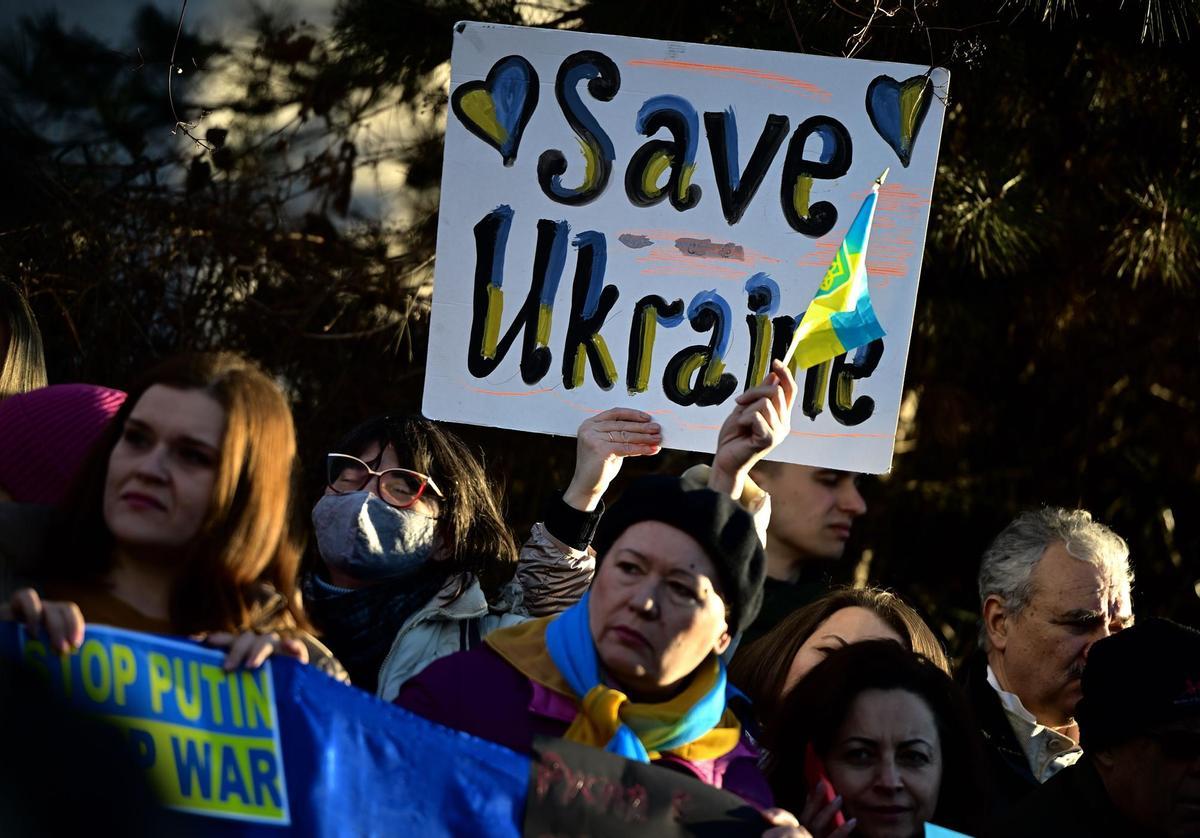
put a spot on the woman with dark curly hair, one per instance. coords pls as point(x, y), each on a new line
point(876, 741)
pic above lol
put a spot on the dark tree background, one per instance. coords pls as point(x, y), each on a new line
point(1055, 355)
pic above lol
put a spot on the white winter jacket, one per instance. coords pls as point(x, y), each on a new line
point(550, 578)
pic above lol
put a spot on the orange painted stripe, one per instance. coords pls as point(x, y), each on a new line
point(585, 408)
point(506, 393)
point(805, 87)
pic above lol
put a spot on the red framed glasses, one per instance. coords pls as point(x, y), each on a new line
point(398, 487)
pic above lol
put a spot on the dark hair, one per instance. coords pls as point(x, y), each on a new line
point(761, 669)
point(470, 522)
point(22, 364)
point(722, 529)
point(814, 712)
point(248, 537)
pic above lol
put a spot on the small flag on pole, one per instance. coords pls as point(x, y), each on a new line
point(840, 318)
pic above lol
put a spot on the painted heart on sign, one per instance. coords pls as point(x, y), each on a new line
point(897, 109)
point(497, 109)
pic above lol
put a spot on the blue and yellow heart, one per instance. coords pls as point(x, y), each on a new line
point(497, 109)
point(897, 109)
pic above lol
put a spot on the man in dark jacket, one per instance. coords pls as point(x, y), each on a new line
point(812, 512)
point(1050, 585)
point(1140, 723)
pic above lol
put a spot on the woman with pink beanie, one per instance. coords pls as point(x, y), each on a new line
point(46, 434)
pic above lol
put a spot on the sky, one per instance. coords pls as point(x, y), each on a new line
point(109, 19)
point(378, 192)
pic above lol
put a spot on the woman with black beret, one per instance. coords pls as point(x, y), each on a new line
point(635, 668)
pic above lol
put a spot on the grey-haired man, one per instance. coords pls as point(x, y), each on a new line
point(1140, 722)
point(1051, 584)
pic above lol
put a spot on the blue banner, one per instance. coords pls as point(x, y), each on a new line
point(279, 750)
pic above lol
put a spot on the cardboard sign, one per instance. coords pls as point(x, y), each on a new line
point(643, 223)
point(580, 790)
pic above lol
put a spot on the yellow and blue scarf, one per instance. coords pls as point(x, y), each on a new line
point(559, 653)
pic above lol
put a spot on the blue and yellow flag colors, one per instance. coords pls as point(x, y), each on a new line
point(275, 751)
point(840, 317)
point(286, 750)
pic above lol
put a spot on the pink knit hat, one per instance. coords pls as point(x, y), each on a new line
point(46, 434)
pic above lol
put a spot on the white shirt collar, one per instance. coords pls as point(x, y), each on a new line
point(1012, 702)
point(1047, 750)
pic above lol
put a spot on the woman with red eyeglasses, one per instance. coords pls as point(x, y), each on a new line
point(417, 561)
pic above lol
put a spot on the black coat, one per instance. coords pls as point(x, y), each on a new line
point(1010, 777)
point(1072, 802)
point(23, 528)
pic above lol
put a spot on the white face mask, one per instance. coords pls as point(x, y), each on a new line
point(363, 537)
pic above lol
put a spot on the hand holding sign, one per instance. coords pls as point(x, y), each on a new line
point(62, 621)
point(761, 419)
point(251, 649)
point(576, 267)
point(64, 627)
point(602, 443)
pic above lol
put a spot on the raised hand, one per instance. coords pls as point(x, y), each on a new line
point(63, 621)
point(761, 419)
point(250, 650)
point(601, 445)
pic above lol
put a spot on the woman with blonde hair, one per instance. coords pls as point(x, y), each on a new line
point(181, 521)
point(22, 365)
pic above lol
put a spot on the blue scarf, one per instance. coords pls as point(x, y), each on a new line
point(641, 728)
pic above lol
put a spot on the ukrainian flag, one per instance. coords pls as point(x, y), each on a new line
point(840, 317)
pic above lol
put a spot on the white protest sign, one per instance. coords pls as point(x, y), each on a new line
point(642, 223)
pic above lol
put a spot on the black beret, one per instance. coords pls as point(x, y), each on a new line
point(1140, 677)
point(723, 529)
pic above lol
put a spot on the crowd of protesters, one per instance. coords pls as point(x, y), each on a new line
point(681, 626)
